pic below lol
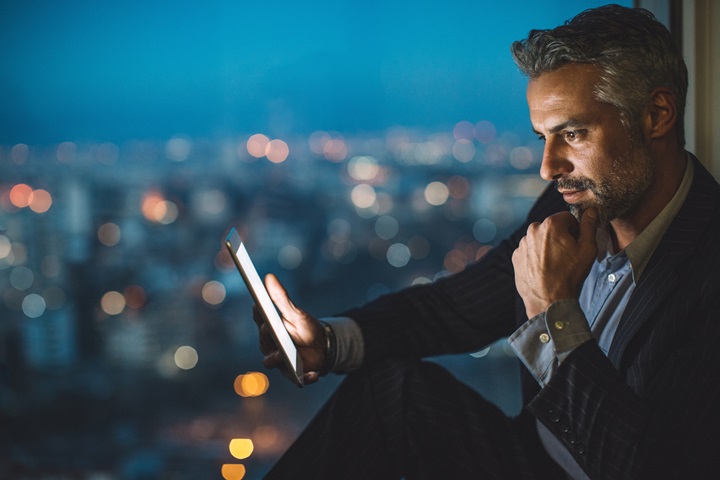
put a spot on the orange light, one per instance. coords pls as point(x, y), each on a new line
point(156, 209)
point(241, 448)
point(39, 201)
point(150, 204)
point(233, 471)
point(252, 384)
point(20, 195)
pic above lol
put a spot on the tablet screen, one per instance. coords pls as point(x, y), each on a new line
point(266, 306)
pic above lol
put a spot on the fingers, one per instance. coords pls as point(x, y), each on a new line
point(279, 296)
point(267, 345)
point(273, 360)
point(588, 226)
point(310, 377)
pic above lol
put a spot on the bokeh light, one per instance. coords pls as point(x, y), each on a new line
point(317, 141)
point(364, 168)
point(19, 153)
point(20, 195)
point(135, 296)
point(398, 255)
point(186, 357)
point(21, 277)
point(290, 257)
point(241, 448)
point(386, 227)
point(458, 187)
point(33, 305)
point(211, 202)
point(40, 201)
point(66, 152)
point(455, 261)
point(107, 153)
point(484, 230)
point(485, 131)
point(109, 234)
point(233, 471)
point(5, 246)
point(157, 209)
point(436, 193)
point(113, 303)
point(251, 384)
point(464, 130)
point(463, 151)
point(257, 144)
point(363, 196)
point(213, 293)
point(178, 148)
point(521, 158)
point(335, 149)
point(277, 151)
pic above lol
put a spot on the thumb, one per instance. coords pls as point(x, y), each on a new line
point(588, 227)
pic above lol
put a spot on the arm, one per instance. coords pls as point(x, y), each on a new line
point(456, 314)
point(459, 313)
point(666, 425)
point(653, 415)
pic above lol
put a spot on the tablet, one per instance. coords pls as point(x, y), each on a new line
point(266, 307)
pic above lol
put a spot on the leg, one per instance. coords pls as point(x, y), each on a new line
point(411, 419)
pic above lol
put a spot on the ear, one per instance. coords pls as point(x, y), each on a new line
point(661, 114)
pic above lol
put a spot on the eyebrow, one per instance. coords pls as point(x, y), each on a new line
point(572, 122)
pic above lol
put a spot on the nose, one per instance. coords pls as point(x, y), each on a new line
point(554, 163)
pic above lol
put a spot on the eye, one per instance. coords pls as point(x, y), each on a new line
point(572, 135)
point(541, 138)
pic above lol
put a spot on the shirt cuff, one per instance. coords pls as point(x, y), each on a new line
point(350, 346)
point(543, 342)
point(567, 326)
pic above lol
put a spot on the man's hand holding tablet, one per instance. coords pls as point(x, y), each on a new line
point(301, 337)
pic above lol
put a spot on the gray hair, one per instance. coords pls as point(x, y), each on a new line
point(633, 51)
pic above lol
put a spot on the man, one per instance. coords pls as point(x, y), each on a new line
point(613, 307)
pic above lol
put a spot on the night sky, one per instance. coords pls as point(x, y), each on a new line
point(113, 71)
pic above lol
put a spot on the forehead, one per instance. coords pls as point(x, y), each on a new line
point(569, 90)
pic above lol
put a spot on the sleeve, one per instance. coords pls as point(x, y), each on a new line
point(654, 417)
point(349, 346)
point(544, 341)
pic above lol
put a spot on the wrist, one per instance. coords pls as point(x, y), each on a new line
point(330, 349)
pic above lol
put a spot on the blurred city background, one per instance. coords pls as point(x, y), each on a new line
point(359, 148)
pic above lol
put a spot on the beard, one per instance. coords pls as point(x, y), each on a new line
point(618, 191)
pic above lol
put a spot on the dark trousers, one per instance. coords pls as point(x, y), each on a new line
point(414, 420)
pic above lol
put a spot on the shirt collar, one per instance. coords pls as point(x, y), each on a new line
point(642, 248)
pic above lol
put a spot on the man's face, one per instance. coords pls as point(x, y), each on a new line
point(588, 152)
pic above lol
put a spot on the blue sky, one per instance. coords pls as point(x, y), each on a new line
point(111, 71)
